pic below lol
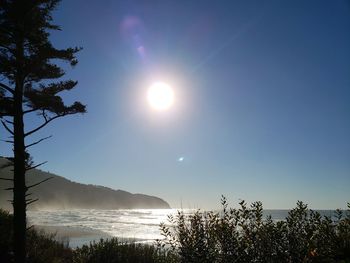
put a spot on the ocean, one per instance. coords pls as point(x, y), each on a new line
point(139, 225)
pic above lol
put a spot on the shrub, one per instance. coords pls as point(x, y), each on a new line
point(243, 235)
point(41, 247)
point(113, 251)
point(232, 235)
point(6, 236)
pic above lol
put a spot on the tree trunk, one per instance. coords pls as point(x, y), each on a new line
point(19, 184)
point(19, 189)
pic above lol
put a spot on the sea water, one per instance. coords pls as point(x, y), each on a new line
point(140, 225)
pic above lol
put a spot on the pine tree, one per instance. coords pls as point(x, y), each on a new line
point(30, 82)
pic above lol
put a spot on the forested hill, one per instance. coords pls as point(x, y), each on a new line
point(61, 193)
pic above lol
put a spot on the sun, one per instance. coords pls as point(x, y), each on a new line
point(160, 96)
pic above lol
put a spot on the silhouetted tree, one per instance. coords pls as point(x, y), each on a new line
point(27, 66)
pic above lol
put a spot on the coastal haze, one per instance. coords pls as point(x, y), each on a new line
point(58, 193)
point(79, 214)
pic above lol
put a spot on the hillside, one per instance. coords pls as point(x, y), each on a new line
point(61, 193)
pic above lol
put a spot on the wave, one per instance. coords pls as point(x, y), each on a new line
point(138, 224)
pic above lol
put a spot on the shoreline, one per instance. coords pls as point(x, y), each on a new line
point(72, 235)
point(75, 236)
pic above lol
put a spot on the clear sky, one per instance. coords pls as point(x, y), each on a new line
point(261, 110)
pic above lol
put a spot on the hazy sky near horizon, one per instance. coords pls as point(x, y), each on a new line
point(261, 110)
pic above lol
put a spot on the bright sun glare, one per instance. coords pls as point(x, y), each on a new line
point(160, 96)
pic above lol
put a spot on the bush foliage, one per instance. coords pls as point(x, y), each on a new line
point(113, 251)
point(231, 235)
point(41, 247)
point(243, 235)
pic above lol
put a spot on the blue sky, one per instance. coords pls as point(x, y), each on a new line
point(262, 100)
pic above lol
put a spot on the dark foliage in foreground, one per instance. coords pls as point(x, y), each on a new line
point(41, 247)
point(233, 235)
point(113, 251)
point(243, 235)
point(31, 71)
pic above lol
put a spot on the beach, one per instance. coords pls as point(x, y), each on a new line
point(74, 236)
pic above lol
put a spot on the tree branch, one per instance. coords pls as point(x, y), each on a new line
point(12, 51)
point(9, 122)
point(33, 185)
point(39, 141)
point(31, 201)
point(7, 88)
point(6, 179)
point(28, 111)
point(7, 128)
point(44, 115)
point(43, 125)
point(35, 166)
point(7, 141)
point(28, 228)
point(5, 165)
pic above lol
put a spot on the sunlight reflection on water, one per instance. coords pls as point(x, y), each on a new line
point(138, 224)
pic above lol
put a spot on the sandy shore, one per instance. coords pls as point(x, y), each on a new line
point(78, 236)
point(75, 236)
